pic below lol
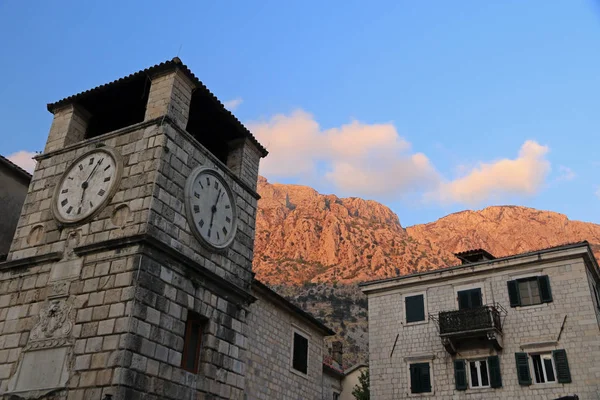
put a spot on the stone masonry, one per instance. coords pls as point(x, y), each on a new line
point(572, 271)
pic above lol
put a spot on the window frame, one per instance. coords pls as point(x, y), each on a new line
point(193, 319)
point(425, 319)
point(469, 379)
point(528, 282)
point(428, 361)
point(307, 336)
point(543, 365)
point(469, 286)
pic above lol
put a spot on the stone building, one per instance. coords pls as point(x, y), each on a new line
point(520, 327)
point(130, 271)
point(14, 182)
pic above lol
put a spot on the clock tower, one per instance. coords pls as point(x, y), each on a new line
point(130, 271)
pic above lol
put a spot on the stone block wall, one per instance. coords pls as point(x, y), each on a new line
point(90, 322)
point(523, 326)
point(127, 212)
point(331, 384)
point(151, 361)
point(269, 372)
point(168, 216)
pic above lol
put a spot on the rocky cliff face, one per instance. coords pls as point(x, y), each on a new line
point(314, 248)
point(303, 236)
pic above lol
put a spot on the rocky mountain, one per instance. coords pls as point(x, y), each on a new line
point(303, 236)
point(314, 248)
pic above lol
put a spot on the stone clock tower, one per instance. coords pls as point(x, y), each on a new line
point(130, 271)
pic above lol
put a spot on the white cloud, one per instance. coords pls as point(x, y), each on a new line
point(359, 159)
point(233, 104)
point(566, 174)
point(23, 159)
point(524, 176)
point(598, 192)
point(373, 160)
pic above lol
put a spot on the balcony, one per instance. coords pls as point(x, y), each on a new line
point(472, 326)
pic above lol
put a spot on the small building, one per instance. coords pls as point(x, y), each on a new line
point(350, 380)
point(14, 183)
point(285, 351)
point(518, 327)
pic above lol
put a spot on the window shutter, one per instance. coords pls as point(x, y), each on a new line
point(460, 374)
point(495, 376)
point(545, 291)
point(476, 298)
point(300, 353)
point(513, 293)
point(562, 366)
point(415, 381)
point(425, 378)
point(415, 308)
point(523, 369)
point(463, 299)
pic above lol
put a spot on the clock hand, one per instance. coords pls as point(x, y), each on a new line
point(94, 170)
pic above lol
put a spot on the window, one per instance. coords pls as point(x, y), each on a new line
point(543, 368)
point(336, 396)
point(414, 308)
point(476, 374)
point(597, 293)
point(300, 353)
point(420, 378)
point(529, 291)
point(470, 298)
point(547, 367)
point(192, 342)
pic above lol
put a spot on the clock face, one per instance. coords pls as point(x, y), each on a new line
point(211, 208)
point(86, 186)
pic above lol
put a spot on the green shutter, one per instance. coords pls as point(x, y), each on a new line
point(415, 308)
point(460, 374)
point(415, 381)
point(523, 369)
point(545, 291)
point(495, 376)
point(425, 378)
point(513, 293)
point(562, 366)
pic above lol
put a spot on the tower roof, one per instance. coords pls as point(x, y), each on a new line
point(141, 77)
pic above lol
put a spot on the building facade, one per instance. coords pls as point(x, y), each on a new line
point(130, 274)
point(525, 326)
point(14, 182)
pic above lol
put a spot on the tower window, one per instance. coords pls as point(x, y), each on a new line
point(192, 342)
point(116, 105)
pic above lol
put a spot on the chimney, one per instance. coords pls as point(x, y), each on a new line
point(473, 256)
point(337, 352)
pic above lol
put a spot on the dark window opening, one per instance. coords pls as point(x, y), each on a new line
point(211, 125)
point(543, 368)
point(415, 308)
point(192, 342)
point(469, 299)
point(420, 380)
point(300, 353)
point(116, 106)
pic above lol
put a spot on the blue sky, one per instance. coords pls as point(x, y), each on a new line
point(440, 106)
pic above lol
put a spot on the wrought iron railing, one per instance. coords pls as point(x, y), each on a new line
point(470, 320)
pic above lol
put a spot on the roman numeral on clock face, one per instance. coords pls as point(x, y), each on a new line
point(196, 208)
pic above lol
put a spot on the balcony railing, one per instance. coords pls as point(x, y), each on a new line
point(472, 320)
